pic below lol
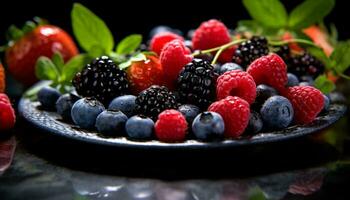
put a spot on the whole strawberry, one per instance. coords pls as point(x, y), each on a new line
point(173, 58)
point(211, 34)
point(2, 78)
point(161, 39)
point(235, 112)
point(270, 70)
point(27, 47)
point(7, 114)
point(143, 74)
point(307, 103)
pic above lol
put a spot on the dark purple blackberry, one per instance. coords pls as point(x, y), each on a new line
point(101, 79)
point(250, 50)
point(154, 100)
point(196, 83)
point(283, 51)
point(305, 64)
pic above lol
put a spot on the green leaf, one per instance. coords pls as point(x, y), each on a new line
point(57, 59)
point(270, 13)
point(138, 57)
point(73, 66)
point(256, 193)
point(31, 93)
point(90, 30)
point(324, 84)
point(14, 33)
point(341, 56)
point(125, 65)
point(45, 69)
point(96, 51)
point(29, 26)
point(309, 12)
point(129, 44)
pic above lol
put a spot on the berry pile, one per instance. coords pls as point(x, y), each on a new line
point(172, 92)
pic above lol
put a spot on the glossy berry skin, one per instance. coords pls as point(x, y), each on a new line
point(85, 111)
point(7, 113)
point(143, 74)
point(208, 126)
point(44, 40)
point(229, 67)
point(307, 102)
point(2, 78)
point(161, 39)
point(292, 80)
point(173, 58)
point(235, 112)
point(111, 123)
point(125, 104)
point(270, 70)
point(171, 126)
point(139, 127)
point(263, 92)
point(189, 111)
point(47, 96)
point(211, 34)
point(327, 103)
point(255, 124)
point(277, 112)
point(236, 83)
point(64, 105)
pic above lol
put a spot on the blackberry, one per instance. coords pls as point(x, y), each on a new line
point(154, 100)
point(283, 51)
point(196, 83)
point(250, 50)
point(305, 64)
point(101, 79)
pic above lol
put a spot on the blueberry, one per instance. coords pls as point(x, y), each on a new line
point(277, 112)
point(64, 105)
point(229, 67)
point(111, 123)
point(217, 68)
point(208, 126)
point(48, 96)
point(139, 127)
point(125, 103)
point(190, 33)
point(292, 80)
point(303, 83)
point(255, 123)
point(263, 92)
point(326, 103)
point(188, 44)
point(85, 111)
point(337, 98)
point(189, 111)
point(308, 79)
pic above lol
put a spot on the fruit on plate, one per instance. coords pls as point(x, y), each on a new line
point(208, 126)
point(85, 111)
point(111, 123)
point(24, 50)
point(48, 96)
point(7, 113)
point(139, 127)
point(171, 126)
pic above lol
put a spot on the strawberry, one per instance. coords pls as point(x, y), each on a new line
point(2, 79)
point(27, 47)
point(143, 74)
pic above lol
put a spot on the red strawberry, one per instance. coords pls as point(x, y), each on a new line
point(307, 103)
point(44, 40)
point(270, 70)
point(235, 112)
point(211, 34)
point(173, 58)
point(7, 114)
point(2, 78)
point(143, 74)
point(161, 39)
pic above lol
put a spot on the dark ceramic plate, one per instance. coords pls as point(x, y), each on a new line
point(51, 123)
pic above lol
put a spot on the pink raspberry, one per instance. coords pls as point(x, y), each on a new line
point(161, 39)
point(171, 126)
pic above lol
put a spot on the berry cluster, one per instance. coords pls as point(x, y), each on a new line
point(171, 93)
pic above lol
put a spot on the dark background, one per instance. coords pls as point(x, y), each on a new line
point(130, 16)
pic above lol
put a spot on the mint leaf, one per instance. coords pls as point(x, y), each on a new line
point(256, 193)
point(341, 56)
point(73, 66)
point(57, 59)
point(90, 30)
point(46, 70)
point(324, 84)
point(136, 58)
point(129, 44)
point(125, 65)
point(270, 13)
point(96, 51)
point(309, 12)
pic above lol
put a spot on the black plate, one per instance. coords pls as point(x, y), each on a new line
point(51, 123)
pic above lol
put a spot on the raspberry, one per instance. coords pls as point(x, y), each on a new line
point(171, 126)
point(2, 78)
point(236, 83)
point(270, 70)
point(210, 34)
point(235, 112)
point(161, 39)
point(307, 103)
point(143, 74)
point(173, 58)
point(7, 114)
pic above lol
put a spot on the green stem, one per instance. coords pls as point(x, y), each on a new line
point(344, 76)
point(300, 41)
point(218, 53)
point(225, 46)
